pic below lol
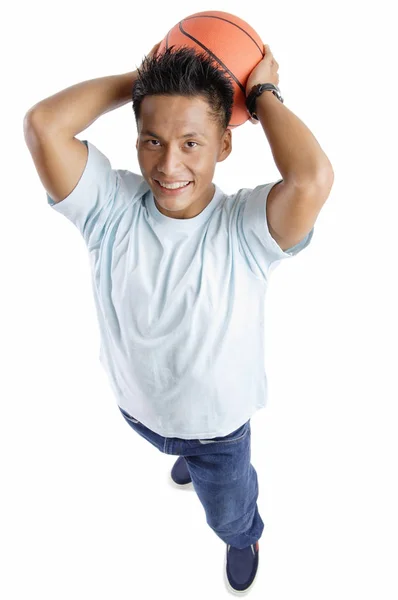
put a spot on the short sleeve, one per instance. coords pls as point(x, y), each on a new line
point(99, 196)
point(257, 245)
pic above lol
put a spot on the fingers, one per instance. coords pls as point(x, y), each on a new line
point(274, 63)
point(268, 52)
point(154, 49)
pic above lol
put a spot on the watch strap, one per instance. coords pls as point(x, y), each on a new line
point(256, 91)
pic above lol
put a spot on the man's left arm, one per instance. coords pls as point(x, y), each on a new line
point(293, 204)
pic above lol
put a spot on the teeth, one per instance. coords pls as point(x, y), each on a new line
point(173, 186)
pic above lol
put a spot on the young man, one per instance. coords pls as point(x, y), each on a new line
point(180, 269)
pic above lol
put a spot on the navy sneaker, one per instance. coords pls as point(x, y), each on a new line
point(241, 568)
point(180, 473)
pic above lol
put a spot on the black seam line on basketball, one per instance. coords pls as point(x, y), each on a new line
point(215, 58)
point(227, 21)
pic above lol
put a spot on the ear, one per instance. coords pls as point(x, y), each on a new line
point(136, 144)
point(226, 145)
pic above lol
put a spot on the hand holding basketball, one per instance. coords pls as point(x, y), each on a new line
point(265, 72)
point(151, 54)
point(154, 50)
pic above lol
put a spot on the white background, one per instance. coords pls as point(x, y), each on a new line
point(88, 509)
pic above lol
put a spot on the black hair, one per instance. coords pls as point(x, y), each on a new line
point(185, 72)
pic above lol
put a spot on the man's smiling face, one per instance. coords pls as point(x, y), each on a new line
point(179, 141)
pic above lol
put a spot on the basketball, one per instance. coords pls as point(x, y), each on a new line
point(230, 42)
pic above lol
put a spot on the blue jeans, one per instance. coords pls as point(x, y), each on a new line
point(223, 478)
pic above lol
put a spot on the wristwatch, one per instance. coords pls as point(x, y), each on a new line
point(256, 91)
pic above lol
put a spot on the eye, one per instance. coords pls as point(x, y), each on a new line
point(193, 143)
point(152, 141)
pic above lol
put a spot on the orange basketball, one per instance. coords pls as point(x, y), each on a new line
point(232, 44)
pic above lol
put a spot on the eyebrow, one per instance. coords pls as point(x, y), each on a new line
point(186, 135)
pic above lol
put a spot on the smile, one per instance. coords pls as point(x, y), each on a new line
point(174, 185)
point(172, 188)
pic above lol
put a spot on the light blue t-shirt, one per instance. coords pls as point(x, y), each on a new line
point(180, 302)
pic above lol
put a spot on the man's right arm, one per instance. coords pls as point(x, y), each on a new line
point(74, 109)
point(50, 127)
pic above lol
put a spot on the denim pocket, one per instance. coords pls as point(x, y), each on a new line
point(127, 416)
point(231, 438)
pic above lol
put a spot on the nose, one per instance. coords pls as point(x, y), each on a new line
point(169, 162)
